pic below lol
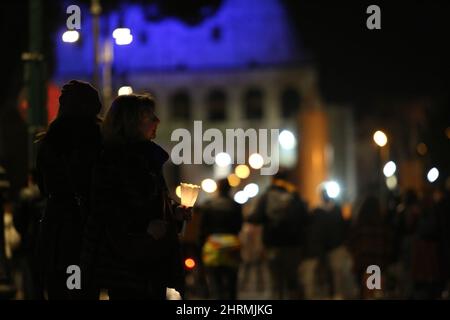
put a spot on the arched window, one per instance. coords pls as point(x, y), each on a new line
point(217, 105)
point(180, 105)
point(290, 103)
point(254, 104)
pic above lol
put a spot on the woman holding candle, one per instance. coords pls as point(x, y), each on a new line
point(132, 247)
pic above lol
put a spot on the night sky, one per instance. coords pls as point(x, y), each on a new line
point(408, 57)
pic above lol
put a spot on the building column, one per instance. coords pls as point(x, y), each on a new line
point(312, 163)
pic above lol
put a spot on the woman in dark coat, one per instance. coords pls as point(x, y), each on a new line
point(66, 155)
point(132, 247)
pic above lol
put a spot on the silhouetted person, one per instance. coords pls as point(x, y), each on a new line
point(427, 272)
point(442, 207)
point(407, 217)
point(220, 224)
point(66, 155)
point(314, 255)
point(282, 214)
point(28, 212)
point(326, 252)
point(132, 247)
point(253, 256)
point(370, 242)
point(7, 288)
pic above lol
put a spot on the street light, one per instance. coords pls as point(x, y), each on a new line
point(391, 182)
point(241, 197)
point(432, 175)
point(71, 36)
point(209, 185)
point(389, 169)
point(251, 190)
point(332, 189)
point(380, 138)
point(223, 159)
point(287, 140)
point(123, 36)
point(242, 171)
point(103, 52)
point(233, 180)
point(125, 90)
point(256, 161)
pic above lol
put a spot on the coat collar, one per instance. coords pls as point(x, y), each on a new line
point(151, 151)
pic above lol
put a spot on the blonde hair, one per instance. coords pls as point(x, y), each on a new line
point(123, 118)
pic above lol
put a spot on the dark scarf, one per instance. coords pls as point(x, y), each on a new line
point(150, 151)
point(155, 153)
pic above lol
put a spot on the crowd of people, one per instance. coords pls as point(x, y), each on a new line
point(319, 253)
point(98, 200)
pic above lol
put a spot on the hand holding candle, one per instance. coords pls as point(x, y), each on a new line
point(189, 193)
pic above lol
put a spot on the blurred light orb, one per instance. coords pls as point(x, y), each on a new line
point(447, 132)
point(124, 41)
point(251, 190)
point(332, 189)
point(189, 263)
point(178, 191)
point(71, 36)
point(256, 161)
point(380, 138)
point(223, 159)
point(422, 149)
point(209, 185)
point(121, 32)
point(391, 182)
point(233, 180)
point(433, 175)
point(241, 197)
point(287, 140)
point(242, 171)
point(389, 169)
point(123, 36)
point(125, 90)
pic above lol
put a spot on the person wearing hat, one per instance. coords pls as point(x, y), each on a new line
point(65, 158)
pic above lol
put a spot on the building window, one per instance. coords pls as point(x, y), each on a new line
point(217, 105)
point(290, 103)
point(180, 106)
point(254, 104)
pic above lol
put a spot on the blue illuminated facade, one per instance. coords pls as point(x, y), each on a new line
point(242, 33)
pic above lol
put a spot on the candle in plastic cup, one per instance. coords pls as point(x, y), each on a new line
point(189, 193)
